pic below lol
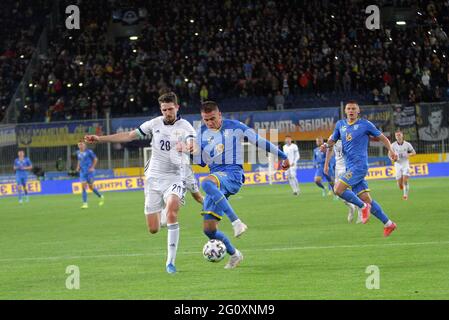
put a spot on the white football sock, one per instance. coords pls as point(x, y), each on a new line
point(172, 242)
point(389, 223)
point(405, 189)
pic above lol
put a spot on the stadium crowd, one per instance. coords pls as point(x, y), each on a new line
point(275, 51)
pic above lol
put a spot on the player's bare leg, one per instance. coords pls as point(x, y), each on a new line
point(406, 187)
point(210, 228)
point(173, 205)
point(376, 210)
point(153, 222)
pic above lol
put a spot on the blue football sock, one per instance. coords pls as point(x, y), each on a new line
point(220, 200)
point(96, 192)
point(351, 197)
point(84, 195)
point(222, 237)
point(319, 184)
point(377, 211)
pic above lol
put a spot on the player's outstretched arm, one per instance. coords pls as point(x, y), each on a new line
point(121, 137)
point(329, 154)
point(330, 143)
point(393, 156)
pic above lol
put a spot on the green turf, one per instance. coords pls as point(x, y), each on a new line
point(295, 248)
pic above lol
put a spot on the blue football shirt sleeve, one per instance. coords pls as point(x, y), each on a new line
point(336, 134)
point(260, 142)
point(372, 130)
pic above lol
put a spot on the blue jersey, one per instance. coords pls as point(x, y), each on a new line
point(355, 140)
point(319, 158)
point(20, 164)
point(86, 159)
point(222, 150)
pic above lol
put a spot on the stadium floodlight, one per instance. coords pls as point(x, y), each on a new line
point(414, 43)
point(69, 85)
point(134, 38)
point(80, 84)
point(196, 33)
point(401, 23)
point(81, 63)
point(332, 16)
point(419, 13)
point(221, 30)
point(131, 99)
point(192, 21)
point(50, 82)
point(186, 80)
point(22, 56)
point(134, 50)
point(30, 85)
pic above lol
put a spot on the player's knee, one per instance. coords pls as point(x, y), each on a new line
point(207, 185)
point(153, 230)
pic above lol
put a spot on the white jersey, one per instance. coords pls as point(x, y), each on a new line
point(402, 150)
point(165, 161)
point(339, 158)
point(292, 153)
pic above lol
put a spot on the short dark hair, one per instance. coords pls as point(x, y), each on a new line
point(352, 102)
point(168, 97)
point(209, 106)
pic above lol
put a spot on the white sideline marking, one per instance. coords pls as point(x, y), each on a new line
point(249, 250)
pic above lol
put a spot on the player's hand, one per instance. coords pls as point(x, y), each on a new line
point(393, 156)
point(91, 169)
point(323, 147)
point(91, 139)
point(326, 170)
point(285, 164)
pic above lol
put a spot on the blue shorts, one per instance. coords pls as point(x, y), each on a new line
point(320, 173)
point(21, 180)
point(229, 183)
point(87, 177)
point(355, 178)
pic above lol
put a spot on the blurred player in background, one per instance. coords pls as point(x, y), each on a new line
point(165, 184)
point(355, 134)
point(319, 157)
point(340, 169)
point(404, 150)
point(220, 141)
point(22, 165)
point(292, 152)
point(87, 161)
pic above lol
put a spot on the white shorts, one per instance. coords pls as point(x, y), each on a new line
point(157, 191)
point(191, 183)
point(401, 170)
point(291, 172)
point(339, 171)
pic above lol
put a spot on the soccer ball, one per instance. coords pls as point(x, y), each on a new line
point(214, 250)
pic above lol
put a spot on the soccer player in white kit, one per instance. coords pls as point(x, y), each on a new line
point(292, 152)
point(340, 169)
point(164, 174)
point(404, 150)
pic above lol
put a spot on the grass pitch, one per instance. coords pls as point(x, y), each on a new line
point(295, 248)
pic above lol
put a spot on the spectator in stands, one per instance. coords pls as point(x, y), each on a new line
point(279, 101)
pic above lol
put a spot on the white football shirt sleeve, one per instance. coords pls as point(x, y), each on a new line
point(145, 129)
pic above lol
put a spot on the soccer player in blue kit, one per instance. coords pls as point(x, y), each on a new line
point(21, 166)
point(87, 160)
point(319, 158)
point(219, 142)
point(355, 134)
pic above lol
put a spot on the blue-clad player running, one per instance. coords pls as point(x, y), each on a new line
point(21, 166)
point(87, 160)
point(319, 158)
point(220, 148)
point(355, 134)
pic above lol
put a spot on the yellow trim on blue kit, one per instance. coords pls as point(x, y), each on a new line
point(212, 214)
